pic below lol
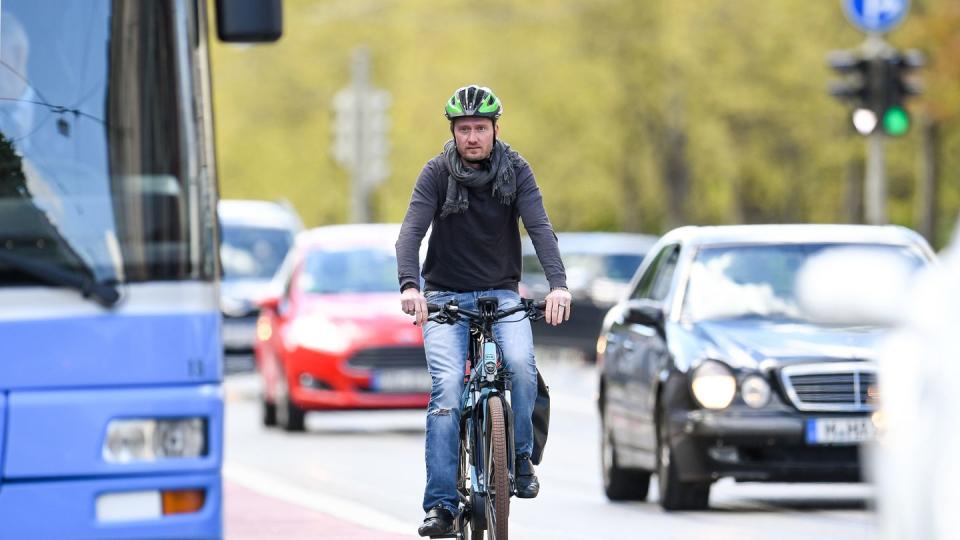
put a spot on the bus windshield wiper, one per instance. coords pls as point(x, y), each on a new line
point(106, 294)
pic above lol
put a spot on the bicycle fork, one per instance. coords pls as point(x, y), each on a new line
point(495, 371)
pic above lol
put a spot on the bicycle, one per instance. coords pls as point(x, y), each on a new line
point(486, 477)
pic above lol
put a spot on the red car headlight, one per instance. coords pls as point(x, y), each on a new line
point(320, 334)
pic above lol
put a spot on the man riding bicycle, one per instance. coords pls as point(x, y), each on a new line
point(473, 194)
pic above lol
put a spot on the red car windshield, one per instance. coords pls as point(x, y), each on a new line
point(363, 270)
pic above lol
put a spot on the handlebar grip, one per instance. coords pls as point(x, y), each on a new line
point(541, 305)
point(433, 308)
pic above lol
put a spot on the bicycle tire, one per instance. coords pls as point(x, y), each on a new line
point(498, 481)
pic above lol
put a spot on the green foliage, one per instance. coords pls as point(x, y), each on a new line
point(634, 115)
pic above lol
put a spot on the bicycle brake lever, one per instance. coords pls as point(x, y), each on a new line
point(441, 317)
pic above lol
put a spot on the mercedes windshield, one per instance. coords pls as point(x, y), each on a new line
point(761, 280)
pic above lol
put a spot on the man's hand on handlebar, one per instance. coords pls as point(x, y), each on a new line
point(558, 308)
point(414, 303)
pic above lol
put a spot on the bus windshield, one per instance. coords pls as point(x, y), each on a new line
point(95, 153)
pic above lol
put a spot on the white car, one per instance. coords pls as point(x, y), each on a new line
point(916, 463)
point(914, 460)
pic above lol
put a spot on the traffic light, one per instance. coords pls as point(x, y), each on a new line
point(854, 71)
point(855, 87)
point(897, 88)
point(367, 127)
point(877, 87)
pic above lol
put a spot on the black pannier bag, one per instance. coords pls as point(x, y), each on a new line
point(541, 419)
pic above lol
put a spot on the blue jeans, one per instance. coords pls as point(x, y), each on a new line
point(446, 347)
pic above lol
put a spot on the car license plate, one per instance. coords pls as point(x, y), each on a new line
point(401, 380)
point(840, 430)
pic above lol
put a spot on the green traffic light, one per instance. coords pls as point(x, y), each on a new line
point(896, 121)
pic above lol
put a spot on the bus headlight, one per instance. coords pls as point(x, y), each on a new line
point(153, 439)
point(714, 385)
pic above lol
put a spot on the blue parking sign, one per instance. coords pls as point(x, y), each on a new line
point(876, 15)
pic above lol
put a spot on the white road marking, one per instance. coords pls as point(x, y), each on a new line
point(346, 510)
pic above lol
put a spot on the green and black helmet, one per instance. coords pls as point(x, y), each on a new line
point(474, 100)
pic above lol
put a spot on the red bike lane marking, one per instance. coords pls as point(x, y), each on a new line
point(249, 515)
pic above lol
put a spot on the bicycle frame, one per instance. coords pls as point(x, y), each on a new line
point(486, 379)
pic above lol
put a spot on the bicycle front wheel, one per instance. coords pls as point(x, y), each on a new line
point(497, 503)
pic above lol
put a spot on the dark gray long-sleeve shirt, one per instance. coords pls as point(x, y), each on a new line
point(479, 248)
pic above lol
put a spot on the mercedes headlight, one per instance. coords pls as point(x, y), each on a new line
point(714, 385)
point(755, 391)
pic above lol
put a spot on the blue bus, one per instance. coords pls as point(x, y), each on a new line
point(111, 406)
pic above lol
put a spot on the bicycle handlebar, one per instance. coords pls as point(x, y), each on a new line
point(526, 304)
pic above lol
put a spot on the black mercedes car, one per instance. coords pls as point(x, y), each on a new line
point(711, 366)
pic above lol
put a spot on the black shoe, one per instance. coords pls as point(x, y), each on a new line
point(527, 484)
point(438, 521)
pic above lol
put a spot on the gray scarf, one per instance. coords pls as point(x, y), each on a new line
point(500, 170)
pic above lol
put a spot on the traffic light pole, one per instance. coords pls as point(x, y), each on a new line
point(360, 143)
point(360, 211)
point(874, 80)
point(875, 181)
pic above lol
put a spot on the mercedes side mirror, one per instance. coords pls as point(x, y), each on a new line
point(644, 311)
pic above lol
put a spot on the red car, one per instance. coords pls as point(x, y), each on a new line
point(334, 337)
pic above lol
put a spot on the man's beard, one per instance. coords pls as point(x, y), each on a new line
point(477, 160)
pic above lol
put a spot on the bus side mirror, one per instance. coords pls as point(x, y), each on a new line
point(249, 21)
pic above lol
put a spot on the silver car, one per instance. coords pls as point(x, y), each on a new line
point(599, 266)
point(254, 239)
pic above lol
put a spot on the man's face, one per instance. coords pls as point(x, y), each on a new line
point(474, 137)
